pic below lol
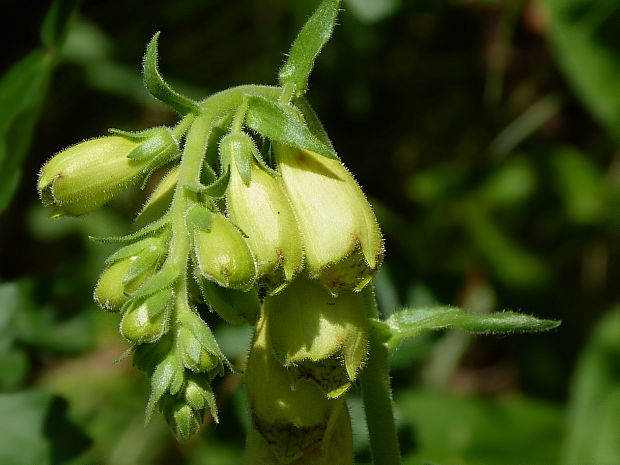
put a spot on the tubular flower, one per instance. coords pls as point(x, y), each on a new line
point(86, 176)
point(291, 422)
point(342, 241)
point(320, 337)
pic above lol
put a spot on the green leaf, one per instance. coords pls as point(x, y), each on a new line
point(22, 90)
point(585, 41)
point(458, 430)
point(281, 123)
point(412, 322)
point(161, 143)
point(594, 408)
point(581, 185)
point(158, 88)
point(35, 429)
point(55, 24)
point(307, 46)
point(509, 260)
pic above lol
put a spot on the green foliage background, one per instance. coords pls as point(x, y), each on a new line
point(484, 132)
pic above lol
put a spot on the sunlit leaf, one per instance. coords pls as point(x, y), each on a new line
point(412, 322)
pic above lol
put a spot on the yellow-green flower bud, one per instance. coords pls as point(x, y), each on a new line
point(342, 240)
point(182, 418)
point(321, 337)
point(146, 320)
point(223, 255)
point(193, 354)
point(262, 211)
point(113, 289)
point(199, 395)
point(85, 176)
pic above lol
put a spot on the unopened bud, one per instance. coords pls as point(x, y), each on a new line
point(193, 354)
point(182, 418)
point(146, 320)
point(257, 204)
point(342, 241)
point(223, 255)
point(85, 176)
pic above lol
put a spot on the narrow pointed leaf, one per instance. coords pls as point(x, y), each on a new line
point(412, 322)
point(54, 27)
point(149, 229)
point(159, 88)
point(307, 46)
point(283, 124)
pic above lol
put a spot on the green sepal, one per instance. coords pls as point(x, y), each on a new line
point(283, 123)
point(136, 136)
point(307, 46)
point(144, 261)
point(243, 165)
point(149, 229)
point(199, 217)
point(158, 147)
point(164, 278)
point(131, 250)
point(412, 322)
point(217, 189)
point(167, 374)
point(156, 85)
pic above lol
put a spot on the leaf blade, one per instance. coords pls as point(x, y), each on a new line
point(412, 322)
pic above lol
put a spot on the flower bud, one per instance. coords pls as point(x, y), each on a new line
point(193, 354)
point(146, 320)
point(199, 395)
point(85, 176)
point(262, 211)
point(321, 337)
point(342, 241)
point(223, 256)
point(182, 418)
point(119, 280)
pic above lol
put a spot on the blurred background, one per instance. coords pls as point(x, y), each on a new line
point(486, 136)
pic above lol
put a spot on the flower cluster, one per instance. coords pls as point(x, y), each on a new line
point(282, 238)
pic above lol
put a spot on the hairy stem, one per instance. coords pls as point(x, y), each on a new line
point(377, 397)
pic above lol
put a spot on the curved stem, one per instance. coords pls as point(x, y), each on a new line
point(377, 397)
